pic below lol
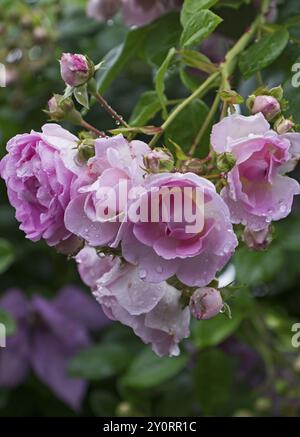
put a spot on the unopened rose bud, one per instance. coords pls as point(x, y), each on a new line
point(284, 125)
point(268, 105)
point(225, 162)
point(257, 240)
point(159, 160)
point(86, 150)
point(76, 69)
point(102, 10)
point(60, 108)
point(206, 303)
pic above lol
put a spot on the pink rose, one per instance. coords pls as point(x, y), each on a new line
point(257, 191)
point(39, 171)
point(153, 311)
point(97, 209)
point(92, 266)
point(166, 247)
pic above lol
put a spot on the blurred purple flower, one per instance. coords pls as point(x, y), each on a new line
point(135, 12)
point(48, 334)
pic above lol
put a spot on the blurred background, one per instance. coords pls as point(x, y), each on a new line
point(244, 366)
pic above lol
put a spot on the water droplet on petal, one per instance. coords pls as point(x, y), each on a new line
point(142, 274)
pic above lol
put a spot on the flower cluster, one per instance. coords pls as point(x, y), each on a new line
point(149, 238)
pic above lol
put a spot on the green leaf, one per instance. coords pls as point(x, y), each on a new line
point(191, 7)
point(212, 332)
point(146, 108)
point(199, 27)
point(148, 370)
point(7, 320)
point(213, 376)
point(7, 255)
point(160, 80)
point(103, 403)
point(163, 34)
point(81, 95)
point(254, 268)
point(99, 362)
point(197, 60)
point(118, 58)
point(263, 53)
point(190, 80)
point(188, 124)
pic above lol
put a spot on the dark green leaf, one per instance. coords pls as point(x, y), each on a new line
point(190, 80)
point(211, 332)
point(99, 362)
point(7, 255)
point(263, 53)
point(194, 59)
point(146, 108)
point(117, 59)
point(234, 4)
point(163, 34)
point(103, 403)
point(149, 370)
point(213, 376)
point(187, 125)
point(199, 27)
point(254, 268)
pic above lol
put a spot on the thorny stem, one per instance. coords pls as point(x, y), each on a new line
point(91, 128)
point(110, 110)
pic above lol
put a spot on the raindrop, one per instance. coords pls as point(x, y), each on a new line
point(143, 274)
point(159, 269)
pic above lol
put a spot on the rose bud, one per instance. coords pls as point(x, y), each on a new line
point(76, 69)
point(284, 125)
point(206, 303)
point(225, 161)
point(159, 160)
point(268, 105)
point(60, 108)
point(257, 240)
point(86, 150)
